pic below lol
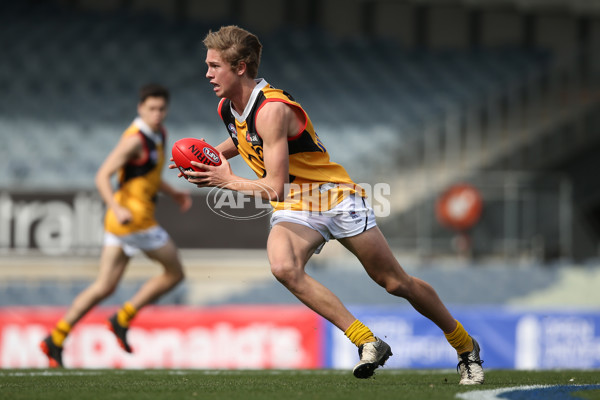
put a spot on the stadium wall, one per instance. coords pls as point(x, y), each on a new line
point(70, 222)
point(293, 337)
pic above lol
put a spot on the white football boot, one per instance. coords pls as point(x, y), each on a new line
point(372, 355)
point(469, 366)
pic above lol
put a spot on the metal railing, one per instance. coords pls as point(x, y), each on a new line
point(491, 144)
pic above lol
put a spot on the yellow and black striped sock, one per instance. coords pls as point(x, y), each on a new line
point(460, 339)
point(126, 314)
point(60, 332)
point(359, 334)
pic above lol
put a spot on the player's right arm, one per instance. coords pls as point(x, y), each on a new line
point(128, 148)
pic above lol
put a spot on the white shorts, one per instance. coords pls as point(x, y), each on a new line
point(351, 216)
point(150, 239)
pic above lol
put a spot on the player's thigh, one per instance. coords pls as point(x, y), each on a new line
point(168, 256)
point(292, 244)
point(113, 262)
point(374, 253)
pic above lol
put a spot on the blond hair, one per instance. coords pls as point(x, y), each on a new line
point(236, 45)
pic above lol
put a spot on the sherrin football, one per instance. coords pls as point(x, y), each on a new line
point(190, 149)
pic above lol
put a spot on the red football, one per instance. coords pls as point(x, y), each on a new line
point(191, 149)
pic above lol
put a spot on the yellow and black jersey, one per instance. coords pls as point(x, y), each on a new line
point(139, 181)
point(316, 183)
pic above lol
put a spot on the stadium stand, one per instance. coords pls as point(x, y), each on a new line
point(69, 79)
point(78, 87)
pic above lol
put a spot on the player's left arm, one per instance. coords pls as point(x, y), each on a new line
point(181, 197)
point(227, 149)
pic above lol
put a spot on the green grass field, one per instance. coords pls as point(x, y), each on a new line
point(288, 385)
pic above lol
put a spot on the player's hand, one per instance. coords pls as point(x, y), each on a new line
point(209, 175)
point(184, 200)
point(173, 166)
point(124, 216)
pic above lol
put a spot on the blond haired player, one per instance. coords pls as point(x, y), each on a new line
point(314, 200)
point(130, 225)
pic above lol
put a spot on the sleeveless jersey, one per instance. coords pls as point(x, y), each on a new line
point(139, 181)
point(315, 182)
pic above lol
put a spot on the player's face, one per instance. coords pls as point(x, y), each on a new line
point(220, 74)
point(153, 111)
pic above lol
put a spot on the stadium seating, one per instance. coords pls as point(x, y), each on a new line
point(71, 80)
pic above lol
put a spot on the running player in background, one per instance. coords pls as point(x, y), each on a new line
point(130, 225)
point(276, 138)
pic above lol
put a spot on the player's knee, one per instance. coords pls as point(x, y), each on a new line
point(279, 271)
point(102, 291)
point(398, 287)
point(284, 273)
point(174, 276)
point(178, 276)
point(173, 269)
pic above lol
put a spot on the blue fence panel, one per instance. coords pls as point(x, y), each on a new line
point(509, 338)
